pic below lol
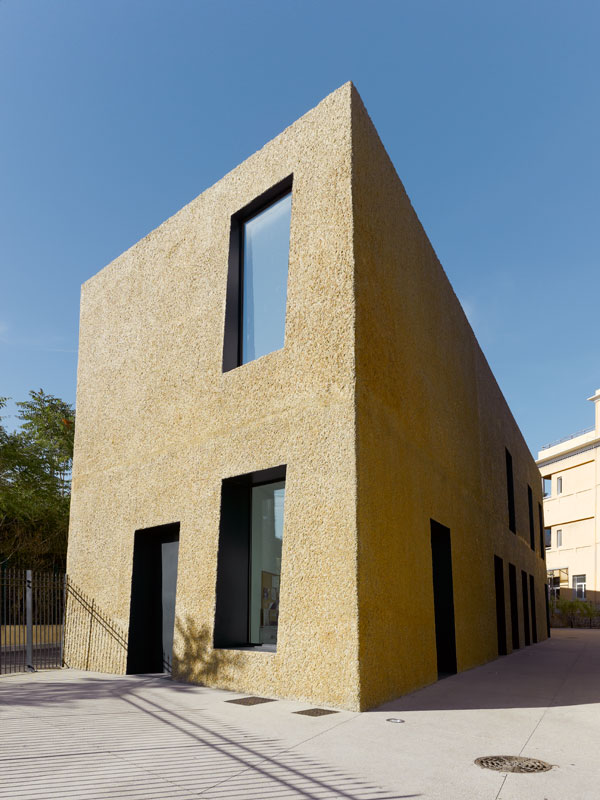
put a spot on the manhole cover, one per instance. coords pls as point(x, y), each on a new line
point(513, 764)
point(315, 712)
point(250, 701)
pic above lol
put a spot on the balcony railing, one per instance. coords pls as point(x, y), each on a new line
point(567, 438)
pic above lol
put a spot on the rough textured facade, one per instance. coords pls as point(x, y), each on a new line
point(381, 405)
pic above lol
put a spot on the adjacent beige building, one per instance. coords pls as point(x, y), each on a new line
point(294, 472)
point(570, 470)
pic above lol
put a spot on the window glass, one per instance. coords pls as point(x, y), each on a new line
point(547, 486)
point(265, 565)
point(559, 486)
point(548, 538)
point(579, 586)
point(559, 538)
point(265, 254)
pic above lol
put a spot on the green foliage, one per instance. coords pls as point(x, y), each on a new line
point(35, 471)
point(571, 609)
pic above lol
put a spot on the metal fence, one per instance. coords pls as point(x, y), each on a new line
point(32, 606)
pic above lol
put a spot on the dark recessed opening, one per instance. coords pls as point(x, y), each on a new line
point(510, 492)
point(249, 560)
point(525, 593)
point(152, 609)
point(500, 605)
point(443, 599)
point(514, 606)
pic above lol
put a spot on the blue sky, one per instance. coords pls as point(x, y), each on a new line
point(115, 114)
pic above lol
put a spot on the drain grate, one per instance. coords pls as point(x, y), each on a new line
point(513, 764)
point(250, 701)
point(315, 712)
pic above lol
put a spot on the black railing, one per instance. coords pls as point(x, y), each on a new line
point(32, 608)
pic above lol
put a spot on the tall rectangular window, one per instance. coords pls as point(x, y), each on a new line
point(547, 486)
point(525, 606)
point(500, 605)
point(510, 490)
point(531, 525)
point(541, 522)
point(266, 536)
point(514, 607)
point(559, 537)
point(579, 582)
point(559, 486)
point(547, 538)
point(249, 560)
point(533, 610)
point(257, 278)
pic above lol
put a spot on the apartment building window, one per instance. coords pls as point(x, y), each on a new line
point(541, 523)
point(559, 537)
point(510, 490)
point(579, 587)
point(559, 486)
point(547, 486)
point(548, 538)
point(257, 278)
point(249, 560)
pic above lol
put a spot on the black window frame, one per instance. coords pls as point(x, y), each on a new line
point(232, 339)
point(232, 604)
point(510, 491)
point(531, 523)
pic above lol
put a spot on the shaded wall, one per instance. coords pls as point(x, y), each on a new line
point(432, 428)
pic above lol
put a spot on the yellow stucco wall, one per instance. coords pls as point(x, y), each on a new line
point(432, 428)
point(160, 425)
point(380, 403)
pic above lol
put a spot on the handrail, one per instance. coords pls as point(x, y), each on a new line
point(567, 438)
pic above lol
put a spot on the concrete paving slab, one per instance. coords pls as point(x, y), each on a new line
point(70, 734)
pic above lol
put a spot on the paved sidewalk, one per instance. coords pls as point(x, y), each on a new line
point(70, 734)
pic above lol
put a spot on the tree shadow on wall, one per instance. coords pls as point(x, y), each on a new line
point(196, 661)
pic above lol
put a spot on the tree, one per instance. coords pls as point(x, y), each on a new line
point(35, 472)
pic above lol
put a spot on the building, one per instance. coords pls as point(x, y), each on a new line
point(291, 454)
point(570, 471)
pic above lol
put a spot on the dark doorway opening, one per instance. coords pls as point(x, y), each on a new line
point(443, 599)
point(514, 607)
point(500, 605)
point(533, 614)
point(153, 589)
point(525, 591)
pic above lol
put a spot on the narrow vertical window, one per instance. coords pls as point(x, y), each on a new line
point(559, 486)
point(525, 601)
point(579, 582)
point(443, 599)
point(510, 490)
point(559, 537)
point(249, 560)
point(547, 486)
point(266, 535)
point(531, 525)
point(257, 279)
point(534, 635)
point(548, 538)
point(514, 606)
point(500, 605)
point(541, 521)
